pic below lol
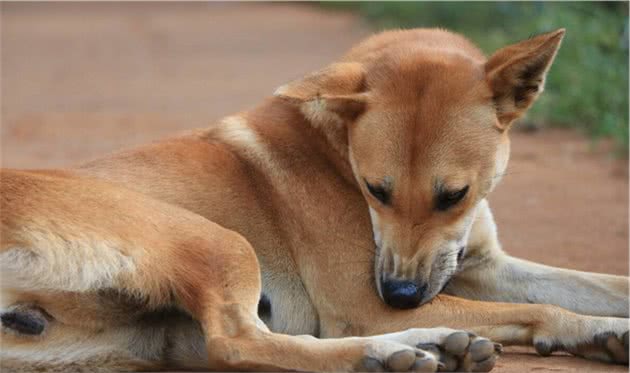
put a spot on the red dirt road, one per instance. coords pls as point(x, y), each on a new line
point(79, 80)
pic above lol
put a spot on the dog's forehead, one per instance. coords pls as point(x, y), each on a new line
point(401, 145)
point(431, 115)
point(428, 91)
point(409, 74)
point(461, 142)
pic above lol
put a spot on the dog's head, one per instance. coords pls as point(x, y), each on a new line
point(423, 119)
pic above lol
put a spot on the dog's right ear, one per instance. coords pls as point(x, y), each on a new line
point(516, 74)
point(334, 94)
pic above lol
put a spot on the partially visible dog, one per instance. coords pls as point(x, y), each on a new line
point(361, 189)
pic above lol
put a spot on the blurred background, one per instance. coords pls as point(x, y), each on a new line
point(79, 80)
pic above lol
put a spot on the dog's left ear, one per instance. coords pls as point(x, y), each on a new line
point(516, 74)
point(331, 95)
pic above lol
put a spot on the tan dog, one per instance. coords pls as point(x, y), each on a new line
point(362, 190)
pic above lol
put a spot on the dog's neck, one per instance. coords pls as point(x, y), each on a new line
point(280, 122)
point(331, 139)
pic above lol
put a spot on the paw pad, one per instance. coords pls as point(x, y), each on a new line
point(457, 343)
point(401, 361)
point(463, 351)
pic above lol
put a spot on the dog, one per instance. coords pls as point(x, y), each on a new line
point(313, 232)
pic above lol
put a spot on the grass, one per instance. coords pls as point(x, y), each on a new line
point(587, 87)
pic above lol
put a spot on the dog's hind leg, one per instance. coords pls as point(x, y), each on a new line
point(490, 274)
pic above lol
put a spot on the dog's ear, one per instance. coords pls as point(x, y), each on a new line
point(516, 74)
point(333, 94)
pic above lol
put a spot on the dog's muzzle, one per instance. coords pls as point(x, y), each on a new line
point(402, 294)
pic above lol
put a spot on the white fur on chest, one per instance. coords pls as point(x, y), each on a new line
point(291, 309)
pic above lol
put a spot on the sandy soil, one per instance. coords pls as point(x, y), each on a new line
point(80, 80)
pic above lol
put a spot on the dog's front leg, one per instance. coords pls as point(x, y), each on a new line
point(508, 279)
point(548, 328)
point(487, 273)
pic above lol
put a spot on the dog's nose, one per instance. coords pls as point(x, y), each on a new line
point(402, 294)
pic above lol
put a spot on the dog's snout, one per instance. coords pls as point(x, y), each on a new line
point(402, 294)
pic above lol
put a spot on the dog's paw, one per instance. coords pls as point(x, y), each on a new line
point(430, 350)
point(609, 345)
point(464, 352)
point(401, 361)
point(399, 358)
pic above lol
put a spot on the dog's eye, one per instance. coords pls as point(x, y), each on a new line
point(378, 192)
point(445, 200)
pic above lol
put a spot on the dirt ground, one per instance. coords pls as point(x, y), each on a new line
point(79, 80)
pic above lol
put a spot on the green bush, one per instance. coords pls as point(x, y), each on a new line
point(588, 84)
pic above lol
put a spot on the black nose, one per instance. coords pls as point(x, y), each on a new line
point(402, 294)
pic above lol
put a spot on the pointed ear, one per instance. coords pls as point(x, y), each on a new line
point(516, 74)
point(332, 94)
